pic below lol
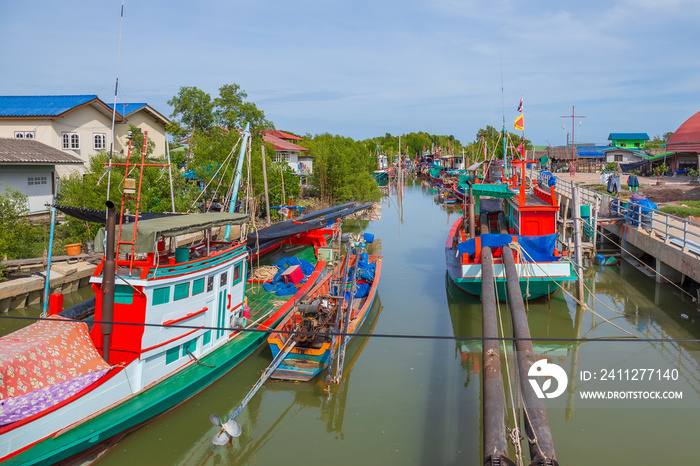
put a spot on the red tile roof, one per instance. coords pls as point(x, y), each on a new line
point(283, 135)
point(281, 144)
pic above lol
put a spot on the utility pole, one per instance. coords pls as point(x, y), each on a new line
point(572, 169)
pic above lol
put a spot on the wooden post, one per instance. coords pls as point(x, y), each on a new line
point(284, 198)
point(267, 196)
point(596, 208)
point(578, 254)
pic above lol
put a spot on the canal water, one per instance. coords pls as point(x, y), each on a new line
point(417, 401)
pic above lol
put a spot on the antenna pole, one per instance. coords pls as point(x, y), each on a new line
point(114, 110)
point(572, 169)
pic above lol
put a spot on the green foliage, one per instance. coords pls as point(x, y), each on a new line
point(194, 111)
point(693, 173)
point(659, 170)
point(658, 141)
point(19, 238)
point(89, 192)
point(341, 169)
point(612, 167)
point(681, 211)
point(232, 111)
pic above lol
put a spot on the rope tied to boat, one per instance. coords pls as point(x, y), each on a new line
point(520, 255)
point(514, 433)
point(264, 272)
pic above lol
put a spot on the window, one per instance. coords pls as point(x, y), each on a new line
point(161, 295)
point(198, 286)
point(24, 134)
point(71, 141)
point(210, 283)
point(34, 180)
point(123, 294)
point(224, 279)
point(618, 157)
point(172, 355)
point(182, 291)
point(283, 156)
point(636, 144)
point(236, 274)
point(623, 144)
point(100, 140)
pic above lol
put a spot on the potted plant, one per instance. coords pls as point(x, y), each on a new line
point(659, 171)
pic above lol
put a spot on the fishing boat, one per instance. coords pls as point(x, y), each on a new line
point(168, 322)
point(326, 307)
point(524, 217)
point(446, 196)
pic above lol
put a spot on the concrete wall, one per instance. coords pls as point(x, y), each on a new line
point(39, 192)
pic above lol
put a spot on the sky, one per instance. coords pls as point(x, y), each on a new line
point(365, 68)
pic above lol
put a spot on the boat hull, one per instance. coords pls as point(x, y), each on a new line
point(111, 409)
point(536, 280)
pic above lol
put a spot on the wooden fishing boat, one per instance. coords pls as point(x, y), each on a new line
point(323, 305)
point(167, 324)
point(523, 217)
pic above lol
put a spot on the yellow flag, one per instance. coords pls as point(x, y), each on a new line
point(519, 122)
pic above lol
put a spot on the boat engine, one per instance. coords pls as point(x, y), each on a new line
point(315, 317)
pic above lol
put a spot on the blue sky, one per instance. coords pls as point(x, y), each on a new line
point(364, 68)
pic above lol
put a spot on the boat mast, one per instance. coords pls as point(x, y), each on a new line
point(239, 173)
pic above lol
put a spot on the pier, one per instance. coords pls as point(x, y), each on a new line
point(614, 224)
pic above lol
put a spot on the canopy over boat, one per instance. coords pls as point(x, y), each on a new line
point(493, 190)
point(149, 230)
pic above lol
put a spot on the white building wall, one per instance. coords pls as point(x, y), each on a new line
point(36, 182)
point(145, 122)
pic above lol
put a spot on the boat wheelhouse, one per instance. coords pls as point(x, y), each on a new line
point(519, 214)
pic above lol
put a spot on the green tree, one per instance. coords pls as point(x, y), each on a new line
point(193, 108)
point(341, 169)
point(19, 238)
point(232, 111)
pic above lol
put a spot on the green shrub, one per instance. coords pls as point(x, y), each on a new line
point(681, 211)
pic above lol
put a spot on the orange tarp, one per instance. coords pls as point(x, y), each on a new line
point(46, 353)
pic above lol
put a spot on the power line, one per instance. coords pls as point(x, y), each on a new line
point(380, 335)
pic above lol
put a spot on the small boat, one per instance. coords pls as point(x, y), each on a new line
point(446, 197)
point(379, 175)
point(324, 307)
point(524, 218)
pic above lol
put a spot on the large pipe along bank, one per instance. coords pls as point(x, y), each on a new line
point(494, 399)
point(536, 422)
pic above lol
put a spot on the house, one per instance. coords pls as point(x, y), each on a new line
point(30, 166)
point(628, 140)
point(590, 158)
point(289, 152)
point(146, 118)
point(623, 155)
point(79, 125)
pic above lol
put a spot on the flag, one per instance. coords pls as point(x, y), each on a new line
point(520, 105)
point(519, 122)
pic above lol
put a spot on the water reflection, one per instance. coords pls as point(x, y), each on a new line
point(260, 425)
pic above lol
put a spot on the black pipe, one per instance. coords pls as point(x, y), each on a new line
point(536, 421)
point(484, 224)
point(472, 219)
point(109, 271)
point(79, 311)
point(502, 224)
point(494, 408)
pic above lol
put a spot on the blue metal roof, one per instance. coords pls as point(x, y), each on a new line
point(40, 105)
point(591, 151)
point(627, 136)
point(125, 109)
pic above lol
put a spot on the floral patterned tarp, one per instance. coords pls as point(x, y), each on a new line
point(41, 358)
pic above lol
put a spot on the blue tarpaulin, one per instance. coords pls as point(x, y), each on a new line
point(365, 273)
point(280, 288)
point(538, 248)
point(640, 211)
